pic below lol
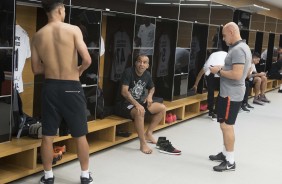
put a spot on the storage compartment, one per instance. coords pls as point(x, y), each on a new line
point(192, 110)
point(101, 139)
point(125, 131)
point(17, 165)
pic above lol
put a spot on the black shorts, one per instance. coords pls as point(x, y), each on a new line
point(227, 110)
point(124, 109)
point(251, 83)
point(63, 100)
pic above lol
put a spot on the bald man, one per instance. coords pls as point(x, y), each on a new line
point(232, 90)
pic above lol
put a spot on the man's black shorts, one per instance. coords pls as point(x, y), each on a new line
point(63, 99)
point(124, 109)
point(227, 110)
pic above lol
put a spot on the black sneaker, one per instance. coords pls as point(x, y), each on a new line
point(86, 180)
point(166, 147)
point(219, 157)
point(244, 108)
point(160, 140)
point(225, 166)
point(47, 181)
point(249, 106)
point(213, 116)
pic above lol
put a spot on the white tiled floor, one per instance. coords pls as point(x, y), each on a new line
point(258, 154)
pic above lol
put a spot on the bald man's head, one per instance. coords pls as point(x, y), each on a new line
point(231, 33)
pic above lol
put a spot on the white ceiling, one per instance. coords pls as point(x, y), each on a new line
point(277, 3)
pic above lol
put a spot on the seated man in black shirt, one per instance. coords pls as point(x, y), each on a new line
point(275, 71)
point(133, 103)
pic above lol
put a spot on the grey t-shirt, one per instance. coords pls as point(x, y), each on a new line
point(239, 53)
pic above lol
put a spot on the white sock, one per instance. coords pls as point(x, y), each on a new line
point(230, 157)
point(280, 86)
point(85, 174)
point(48, 174)
point(224, 151)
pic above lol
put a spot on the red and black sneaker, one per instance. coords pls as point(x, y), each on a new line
point(166, 147)
point(57, 149)
point(160, 140)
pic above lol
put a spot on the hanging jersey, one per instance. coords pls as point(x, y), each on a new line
point(22, 52)
point(147, 35)
point(164, 55)
point(122, 50)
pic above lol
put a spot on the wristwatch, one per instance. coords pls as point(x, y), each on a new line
point(218, 73)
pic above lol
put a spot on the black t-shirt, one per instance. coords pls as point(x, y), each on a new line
point(275, 67)
point(137, 84)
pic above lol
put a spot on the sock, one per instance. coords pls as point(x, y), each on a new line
point(224, 151)
point(48, 174)
point(85, 174)
point(230, 157)
point(280, 87)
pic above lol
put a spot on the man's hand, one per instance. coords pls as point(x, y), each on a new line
point(261, 74)
point(215, 69)
point(80, 70)
point(194, 88)
point(140, 109)
point(149, 101)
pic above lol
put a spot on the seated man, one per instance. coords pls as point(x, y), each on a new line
point(216, 58)
point(275, 71)
point(133, 103)
point(259, 81)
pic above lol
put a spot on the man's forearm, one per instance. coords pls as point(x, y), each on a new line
point(130, 99)
point(151, 92)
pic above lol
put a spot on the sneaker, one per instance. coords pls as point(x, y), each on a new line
point(166, 147)
point(219, 157)
point(244, 108)
point(225, 166)
point(174, 117)
point(168, 118)
point(280, 91)
point(47, 181)
point(160, 140)
point(249, 106)
point(257, 101)
point(86, 180)
point(203, 107)
point(57, 149)
point(263, 98)
point(57, 156)
point(213, 116)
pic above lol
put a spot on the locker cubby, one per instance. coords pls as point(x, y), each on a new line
point(101, 139)
point(269, 85)
point(205, 103)
point(178, 112)
point(125, 128)
point(192, 110)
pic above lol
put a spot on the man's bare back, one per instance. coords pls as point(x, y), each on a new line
point(56, 46)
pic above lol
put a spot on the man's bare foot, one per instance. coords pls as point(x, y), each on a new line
point(146, 149)
point(150, 139)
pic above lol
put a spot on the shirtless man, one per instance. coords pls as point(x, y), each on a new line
point(54, 53)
